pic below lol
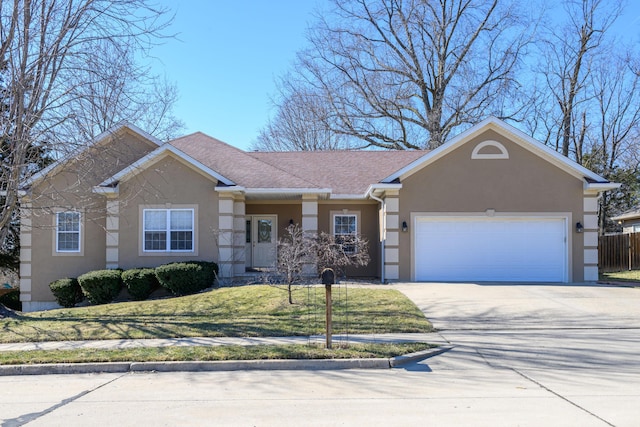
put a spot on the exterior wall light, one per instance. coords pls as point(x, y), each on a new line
point(579, 227)
point(405, 227)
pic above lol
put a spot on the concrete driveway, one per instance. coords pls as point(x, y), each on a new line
point(579, 342)
point(461, 306)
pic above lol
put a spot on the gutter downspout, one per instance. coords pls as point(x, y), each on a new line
point(383, 232)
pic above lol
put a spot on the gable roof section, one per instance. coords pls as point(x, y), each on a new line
point(591, 178)
point(155, 156)
point(347, 173)
point(114, 130)
point(237, 165)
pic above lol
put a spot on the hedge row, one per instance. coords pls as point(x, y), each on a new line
point(103, 286)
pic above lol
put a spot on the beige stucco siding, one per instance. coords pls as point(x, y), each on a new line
point(70, 189)
point(168, 184)
point(524, 183)
point(49, 265)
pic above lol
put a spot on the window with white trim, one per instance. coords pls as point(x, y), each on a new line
point(636, 228)
point(345, 225)
point(168, 230)
point(68, 231)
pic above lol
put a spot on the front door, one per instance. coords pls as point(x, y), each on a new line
point(264, 240)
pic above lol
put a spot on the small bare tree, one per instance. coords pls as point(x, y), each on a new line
point(296, 251)
point(340, 252)
point(299, 252)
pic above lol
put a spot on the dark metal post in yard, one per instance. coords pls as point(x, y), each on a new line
point(328, 279)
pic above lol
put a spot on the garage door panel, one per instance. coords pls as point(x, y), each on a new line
point(490, 249)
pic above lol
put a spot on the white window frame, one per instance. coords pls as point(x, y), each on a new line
point(167, 230)
point(635, 228)
point(355, 215)
point(58, 232)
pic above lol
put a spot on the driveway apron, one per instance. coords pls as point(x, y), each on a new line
point(579, 342)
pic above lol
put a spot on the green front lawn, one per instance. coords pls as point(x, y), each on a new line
point(228, 312)
point(621, 276)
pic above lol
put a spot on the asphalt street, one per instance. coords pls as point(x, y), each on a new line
point(523, 355)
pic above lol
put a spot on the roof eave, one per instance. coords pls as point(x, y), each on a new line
point(110, 190)
point(141, 164)
point(518, 137)
point(599, 187)
point(379, 188)
point(111, 131)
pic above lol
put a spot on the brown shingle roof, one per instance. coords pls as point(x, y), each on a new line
point(236, 164)
point(345, 172)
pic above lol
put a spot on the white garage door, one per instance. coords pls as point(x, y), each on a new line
point(491, 249)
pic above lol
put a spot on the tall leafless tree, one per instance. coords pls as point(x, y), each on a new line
point(570, 50)
point(588, 105)
point(42, 44)
point(613, 138)
point(111, 87)
point(300, 123)
point(402, 74)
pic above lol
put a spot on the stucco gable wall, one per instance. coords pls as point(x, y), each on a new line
point(169, 183)
point(523, 183)
point(70, 188)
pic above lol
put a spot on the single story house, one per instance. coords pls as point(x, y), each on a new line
point(491, 204)
point(630, 221)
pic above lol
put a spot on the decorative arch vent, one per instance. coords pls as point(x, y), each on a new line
point(487, 150)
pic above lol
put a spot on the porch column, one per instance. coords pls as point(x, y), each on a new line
point(239, 236)
point(310, 214)
point(225, 234)
point(113, 232)
point(391, 235)
point(590, 237)
point(25, 254)
point(310, 224)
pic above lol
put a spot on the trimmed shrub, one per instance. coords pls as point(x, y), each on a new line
point(67, 292)
point(101, 286)
point(140, 282)
point(11, 300)
point(184, 278)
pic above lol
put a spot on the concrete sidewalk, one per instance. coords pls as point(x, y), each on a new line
point(433, 338)
point(205, 366)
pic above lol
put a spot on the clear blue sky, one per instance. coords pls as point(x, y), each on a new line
point(228, 53)
point(226, 58)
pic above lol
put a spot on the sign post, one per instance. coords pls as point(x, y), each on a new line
point(328, 279)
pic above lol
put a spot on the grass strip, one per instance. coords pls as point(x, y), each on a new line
point(622, 276)
point(246, 311)
point(212, 353)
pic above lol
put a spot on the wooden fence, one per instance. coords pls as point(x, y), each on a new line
point(619, 252)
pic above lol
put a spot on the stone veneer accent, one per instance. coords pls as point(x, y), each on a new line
point(113, 233)
point(25, 252)
point(310, 224)
point(239, 236)
point(225, 234)
point(391, 236)
point(590, 235)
